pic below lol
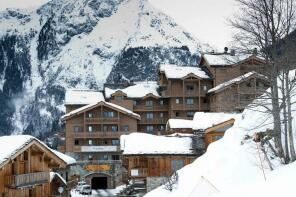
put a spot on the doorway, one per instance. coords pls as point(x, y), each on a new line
point(99, 183)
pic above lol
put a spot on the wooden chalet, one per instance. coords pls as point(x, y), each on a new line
point(153, 157)
point(25, 166)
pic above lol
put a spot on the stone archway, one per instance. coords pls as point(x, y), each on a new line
point(99, 180)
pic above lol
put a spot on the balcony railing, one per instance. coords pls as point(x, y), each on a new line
point(100, 134)
point(151, 108)
point(154, 121)
point(101, 120)
point(25, 180)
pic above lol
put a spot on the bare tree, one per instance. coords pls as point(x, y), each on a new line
point(267, 24)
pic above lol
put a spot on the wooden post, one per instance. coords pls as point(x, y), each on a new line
point(183, 94)
point(101, 116)
point(29, 160)
point(199, 95)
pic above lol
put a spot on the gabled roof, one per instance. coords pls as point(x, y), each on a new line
point(83, 97)
point(179, 124)
point(205, 120)
point(147, 144)
point(236, 80)
point(138, 90)
point(180, 72)
point(53, 175)
point(12, 146)
point(229, 60)
point(94, 105)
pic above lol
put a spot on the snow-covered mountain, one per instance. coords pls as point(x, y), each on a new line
point(79, 44)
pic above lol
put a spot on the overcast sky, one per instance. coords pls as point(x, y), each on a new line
point(205, 19)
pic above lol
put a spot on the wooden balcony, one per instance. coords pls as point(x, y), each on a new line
point(150, 108)
point(154, 121)
point(101, 120)
point(26, 180)
point(100, 134)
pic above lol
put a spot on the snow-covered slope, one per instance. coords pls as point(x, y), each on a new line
point(232, 167)
point(80, 44)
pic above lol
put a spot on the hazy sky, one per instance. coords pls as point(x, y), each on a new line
point(205, 19)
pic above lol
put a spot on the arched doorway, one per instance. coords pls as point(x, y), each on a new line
point(99, 180)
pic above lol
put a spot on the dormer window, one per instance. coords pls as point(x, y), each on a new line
point(119, 98)
point(149, 103)
point(108, 114)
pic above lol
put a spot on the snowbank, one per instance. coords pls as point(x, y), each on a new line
point(232, 167)
point(142, 143)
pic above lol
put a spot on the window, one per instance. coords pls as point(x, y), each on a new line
point(114, 128)
point(119, 98)
point(109, 114)
point(205, 88)
point(177, 101)
point(90, 142)
point(76, 142)
point(90, 128)
point(135, 103)
point(177, 114)
point(105, 142)
point(104, 157)
point(90, 157)
point(190, 87)
point(205, 100)
point(161, 102)
point(149, 116)
point(216, 137)
point(115, 142)
point(125, 128)
point(249, 84)
point(149, 103)
point(90, 115)
point(149, 128)
point(161, 127)
point(77, 129)
point(161, 114)
point(190, 114)
point(189, 101)
point(177, 165)
point(115, 157)
point(105, 128)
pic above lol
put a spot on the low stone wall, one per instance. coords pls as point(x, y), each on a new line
point(154, 182)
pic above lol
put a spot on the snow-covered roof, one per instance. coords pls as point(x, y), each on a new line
point(83, 97)
point(178, 72)
point(91, 106)
point(204, 120)
point(69, 160)
point(142, 143)
point(138, 90)
point(10, 145)
point(235, 81)
point(55, 174)
point(227, 59)
point(179, 123)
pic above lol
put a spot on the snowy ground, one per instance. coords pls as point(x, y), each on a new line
point(235, 167)
point(100, 192)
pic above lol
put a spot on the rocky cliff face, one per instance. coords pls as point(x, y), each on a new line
point(79, 44)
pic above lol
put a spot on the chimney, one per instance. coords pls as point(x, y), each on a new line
point(255, 51)
point(232, 52)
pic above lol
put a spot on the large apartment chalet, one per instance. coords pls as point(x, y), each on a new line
point(94, 121)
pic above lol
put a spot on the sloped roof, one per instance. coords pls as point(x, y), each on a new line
point(227, 59)
point(138, 90)
point(236, 80)
point(83, 97)
point(204, 120)
point(179, 72)
point(69, 160)
point(107, 104)
point(180, 123)
point(147, 144)
point(11, 145)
